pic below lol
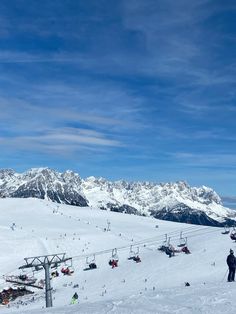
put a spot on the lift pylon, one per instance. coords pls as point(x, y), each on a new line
point(46, 261)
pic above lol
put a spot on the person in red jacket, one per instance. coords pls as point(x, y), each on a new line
point(114, 263)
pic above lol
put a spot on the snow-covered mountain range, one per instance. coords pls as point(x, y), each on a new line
point(169, 201)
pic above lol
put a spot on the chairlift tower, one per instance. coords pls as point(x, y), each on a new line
point(46, 261)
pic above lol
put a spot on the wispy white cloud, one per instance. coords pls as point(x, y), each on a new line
point(64, 141)
point(59, 117)
point(177, 41)
point(98, 105)
point(192, 134)
point(225, 160)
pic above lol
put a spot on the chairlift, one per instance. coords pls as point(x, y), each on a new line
point(133, 253)
point(55, 273)
point(24, 270)
point(233, 234)
point(55, 265)
point(22, 280)
point(37, 268)
point(68, 268)
point(71, 268)
point(90, 263)
point(226, 230)
point(114, 255)
point(182, 241)
point(114, 259)
point(165, 244)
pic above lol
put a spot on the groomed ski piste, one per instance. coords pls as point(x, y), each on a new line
point(156, 285)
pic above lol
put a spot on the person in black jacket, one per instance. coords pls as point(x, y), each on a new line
point(231, 262)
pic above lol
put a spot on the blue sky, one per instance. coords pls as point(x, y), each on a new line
point(139, 90)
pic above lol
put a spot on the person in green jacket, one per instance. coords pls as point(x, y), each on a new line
point(74, 299)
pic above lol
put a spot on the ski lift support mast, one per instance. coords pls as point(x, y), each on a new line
point(46, 261)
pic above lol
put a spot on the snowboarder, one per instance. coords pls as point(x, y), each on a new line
point(74, 299)
point(231, 262)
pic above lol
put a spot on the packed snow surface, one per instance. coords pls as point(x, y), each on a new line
point(156, 285)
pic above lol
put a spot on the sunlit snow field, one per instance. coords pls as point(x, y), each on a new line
point(156, 285)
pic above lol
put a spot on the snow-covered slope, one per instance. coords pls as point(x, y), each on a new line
point(170, 201)
point(156, 285)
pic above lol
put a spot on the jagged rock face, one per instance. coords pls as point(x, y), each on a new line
point(45, 184)
point(185, 204)
point(171, 201)
point(6, 174)
point(183, 213)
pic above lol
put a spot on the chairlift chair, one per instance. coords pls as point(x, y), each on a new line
point(133, 254)
point(55, 266)
point(114, 255)
point(182, 242)
point(22, 280)
point(24, 270)
point(165, 244)
point(27, 277)
point(114, 259)
point(67, 270)
point(90, 263)
point(71, 269)
point(226, 230)
point(68, 267)
point(233, 234)
point(37, 268)
point(22, 277)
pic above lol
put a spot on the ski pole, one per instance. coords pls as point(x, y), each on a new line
point(224, 275)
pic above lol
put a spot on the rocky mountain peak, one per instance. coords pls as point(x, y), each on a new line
point(173, 200)
point(6, 173)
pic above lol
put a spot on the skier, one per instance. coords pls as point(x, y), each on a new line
point(137, 259)
point(74, 299)
point(231, 262)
